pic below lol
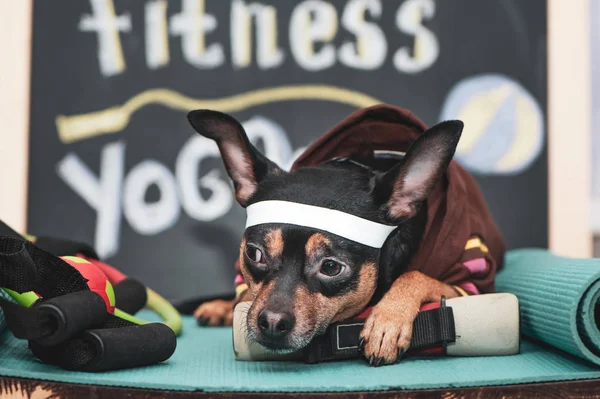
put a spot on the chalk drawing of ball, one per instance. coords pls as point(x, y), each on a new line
point(504, 125)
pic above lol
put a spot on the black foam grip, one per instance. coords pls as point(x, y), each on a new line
point(127, 347)
point(130, 295)
point(24, 322)
point(72, 314)
point(70, 355)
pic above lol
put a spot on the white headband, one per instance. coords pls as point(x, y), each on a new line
point(342, 224)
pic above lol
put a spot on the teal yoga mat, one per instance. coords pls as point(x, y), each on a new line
point(204, 361)
point(2, 319)
point(558, 297)
point(204, 358)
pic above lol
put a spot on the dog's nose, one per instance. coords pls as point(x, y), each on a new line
point(275, 324)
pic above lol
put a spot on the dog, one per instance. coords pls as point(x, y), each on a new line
point(353, 225)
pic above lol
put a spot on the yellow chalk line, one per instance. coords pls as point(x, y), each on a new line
point(114, 119)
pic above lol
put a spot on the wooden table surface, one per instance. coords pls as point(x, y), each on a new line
point(17, 388)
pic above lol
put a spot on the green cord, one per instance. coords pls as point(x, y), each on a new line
point(165, 310)
point(126, 316)
point(162, 307)
point(25, 299)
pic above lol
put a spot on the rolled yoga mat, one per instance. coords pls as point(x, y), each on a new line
point(558, 297)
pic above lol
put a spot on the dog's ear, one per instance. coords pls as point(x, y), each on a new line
point(246, 166)
point(403, 188)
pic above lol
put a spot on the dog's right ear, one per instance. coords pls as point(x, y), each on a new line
point(246, 166)
point(405, 187)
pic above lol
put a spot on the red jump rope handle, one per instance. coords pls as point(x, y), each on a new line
point(113, 275)
point(96, 280)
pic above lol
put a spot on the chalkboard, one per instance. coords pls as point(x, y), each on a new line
point(114, 162)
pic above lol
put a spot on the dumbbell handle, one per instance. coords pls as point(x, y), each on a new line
point(484, 325)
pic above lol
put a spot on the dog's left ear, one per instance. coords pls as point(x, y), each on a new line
point(246, 166)
point(403, 188)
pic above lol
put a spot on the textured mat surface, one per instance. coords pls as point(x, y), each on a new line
point(2, 319)
point(557, 299)
point(204, 361)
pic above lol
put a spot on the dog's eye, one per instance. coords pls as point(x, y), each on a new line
point(254, 254)
point(331, 268)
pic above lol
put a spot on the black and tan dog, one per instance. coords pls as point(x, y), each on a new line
point(373, 213)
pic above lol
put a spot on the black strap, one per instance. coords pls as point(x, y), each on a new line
point(431, 328)
point(53, 245)
point(60, 247)
point(24, 267)
point(17, 267)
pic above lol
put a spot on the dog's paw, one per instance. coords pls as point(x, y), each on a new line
point(387, 332)
point(215, 313)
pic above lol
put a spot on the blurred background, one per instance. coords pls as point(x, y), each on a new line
point(95, 145)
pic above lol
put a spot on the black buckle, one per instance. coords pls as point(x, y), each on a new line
point(431, 328)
